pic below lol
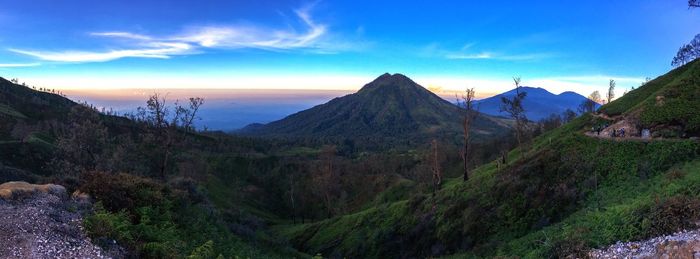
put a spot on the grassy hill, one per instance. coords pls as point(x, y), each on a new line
point(668, 103)
point(565, 194)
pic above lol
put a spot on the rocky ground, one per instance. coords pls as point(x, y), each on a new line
point(41, 221)
point(685, 244)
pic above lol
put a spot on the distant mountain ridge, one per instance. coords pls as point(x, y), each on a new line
point(390, 107)
point(538, 104)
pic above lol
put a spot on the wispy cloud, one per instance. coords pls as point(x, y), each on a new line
point(196, 39)
point(7, 65)
point(483, 55)
point(161, 50)
point(497, 56)
point(256, 37)
point(121, 34)
point(470, 51)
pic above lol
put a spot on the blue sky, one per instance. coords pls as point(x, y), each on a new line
point(558, 45)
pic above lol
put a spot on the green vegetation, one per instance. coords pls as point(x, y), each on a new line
point(154, 221)
point(548, 194)
point(565, 194)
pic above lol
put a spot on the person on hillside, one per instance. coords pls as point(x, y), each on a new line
point(612, 133)
point(622, 132)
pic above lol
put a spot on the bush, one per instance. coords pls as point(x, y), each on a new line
point(204, 251)
point(123, 191)
point(104, 224)
point(672, 214)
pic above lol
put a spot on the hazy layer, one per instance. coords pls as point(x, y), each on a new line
point(224, 109)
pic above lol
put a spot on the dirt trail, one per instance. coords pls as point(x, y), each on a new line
point(684, 244)
point(612, 132)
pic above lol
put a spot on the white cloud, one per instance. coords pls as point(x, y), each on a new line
point(494, 56)
point(256, 37)
point(161, 50)
point(483, 55)
point(469, 52)
point(122, 34)
point(197, 38)
point(8, 65)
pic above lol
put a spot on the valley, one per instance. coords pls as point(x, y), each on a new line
point(390, 129)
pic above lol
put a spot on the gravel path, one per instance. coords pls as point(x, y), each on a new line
point(43, 226)
point(684, 244)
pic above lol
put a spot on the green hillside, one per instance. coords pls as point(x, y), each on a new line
point(669, 103)
point(567, 193)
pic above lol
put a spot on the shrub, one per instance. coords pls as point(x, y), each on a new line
point(671, 214)
point(104, 224)
point(123, 191)
point(204, 251)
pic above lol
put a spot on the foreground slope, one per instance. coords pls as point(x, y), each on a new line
point(392, 107)
point(41, 221)
point(564, 195)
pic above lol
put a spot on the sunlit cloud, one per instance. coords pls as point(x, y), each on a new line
point(196, 39)
point(9, 65)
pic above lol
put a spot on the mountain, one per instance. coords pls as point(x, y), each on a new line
point(538, 104)
point(567, 192)
point(390, 107)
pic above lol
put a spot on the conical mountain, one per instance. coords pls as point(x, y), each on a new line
point(392, 107)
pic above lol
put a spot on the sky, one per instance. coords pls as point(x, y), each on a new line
point(95, 47)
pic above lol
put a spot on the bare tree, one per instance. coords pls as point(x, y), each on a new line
point(85, 138)
point(568, 116)
point(514, 108)
point(195, 103)
point(590, 103)
point(291, 197)
point(469, 116)
point(166, 129)
point(155, 112)
point(611, 91)
point(437, 174)
point(325, 180)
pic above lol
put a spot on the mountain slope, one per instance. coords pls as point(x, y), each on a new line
point(565, 194)
point(390, 107)
point(38, 130)
point(538, 104)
